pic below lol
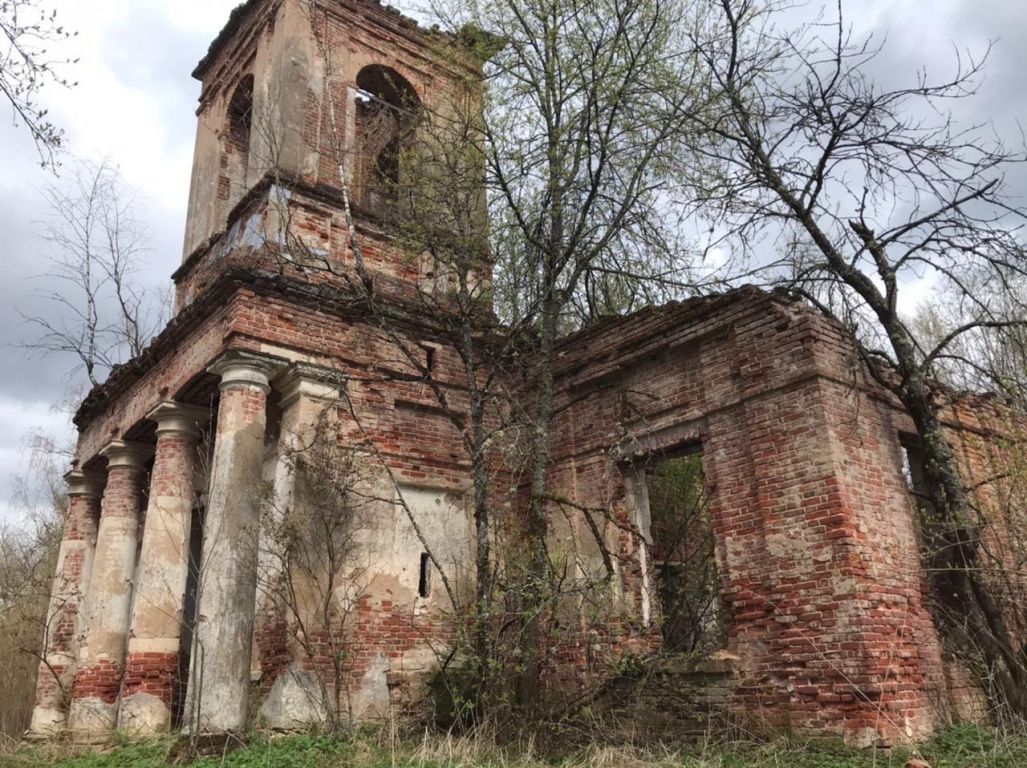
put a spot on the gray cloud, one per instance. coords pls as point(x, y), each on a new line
point(146, 49)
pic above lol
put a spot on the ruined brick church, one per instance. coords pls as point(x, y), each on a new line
point(157, 620)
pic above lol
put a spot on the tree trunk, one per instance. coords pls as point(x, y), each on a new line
point(537, 581)
point(482, 630)
point(954, 533)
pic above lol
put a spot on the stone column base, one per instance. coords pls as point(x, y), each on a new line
point(92, 721)
point(48, 723)
point(94, 707)
point(147, 692)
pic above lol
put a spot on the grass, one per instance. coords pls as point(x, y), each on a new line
point(961, 747)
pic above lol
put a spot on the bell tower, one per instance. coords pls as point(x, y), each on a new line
point(307, 106)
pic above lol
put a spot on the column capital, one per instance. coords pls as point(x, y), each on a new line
point(303, 379)
point(178, 418)
point(243, 369)
point(82, 483)
point(121, 453)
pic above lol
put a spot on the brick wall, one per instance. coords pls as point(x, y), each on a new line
point(816, 541)
point(816, 544)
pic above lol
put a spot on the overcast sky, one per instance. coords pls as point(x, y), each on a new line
point(135, 103)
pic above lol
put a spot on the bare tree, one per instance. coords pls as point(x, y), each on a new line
point(985, 358)
point(27, 32)
point(28, 554)
point(423, 169)
point(98, 311)
point(868, 190)
point(554, 181)
point(585, 112)
point(312, 536)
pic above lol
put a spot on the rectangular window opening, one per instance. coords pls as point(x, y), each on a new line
point(913, 464)
point(681, 531)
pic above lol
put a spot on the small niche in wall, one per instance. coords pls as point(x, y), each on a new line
point(424, 576)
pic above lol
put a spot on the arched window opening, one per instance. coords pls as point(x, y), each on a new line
point(387, 108)
point(240, 123)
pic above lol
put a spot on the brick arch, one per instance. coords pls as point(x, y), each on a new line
point(387, 110)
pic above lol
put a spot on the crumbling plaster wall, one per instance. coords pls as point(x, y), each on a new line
point(320, 251)
point(815, 538)
point(816, 542)
point(252, 50)
point(389, 636)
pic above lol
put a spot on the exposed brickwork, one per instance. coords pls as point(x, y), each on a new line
point(816, 540)
point(50, 691)
point(98, 677)
point(123, 496)
point(271, 638)
point(152, 673)
point(80, 529)
point(173, 465)
point(376, 629)
point(816, 544)
point(161, 582)
point(98, 680)
point(57, 674)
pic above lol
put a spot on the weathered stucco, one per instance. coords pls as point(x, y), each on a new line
point(220, 674)
point(162, 573)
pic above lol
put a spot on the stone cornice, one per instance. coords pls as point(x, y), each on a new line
point(178, 418)
point(338, 301)
point(388, 17)
point(121, 453)
point(364, 219)
point(81, 483)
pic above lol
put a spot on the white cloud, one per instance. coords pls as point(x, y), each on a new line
point(113, 111)
point(134, 102)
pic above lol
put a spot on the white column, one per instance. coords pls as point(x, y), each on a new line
point(151, 670)
point(219, 679)
point(64, 618)
point(305, 394)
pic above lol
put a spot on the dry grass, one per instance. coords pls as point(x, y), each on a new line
point(963, 747)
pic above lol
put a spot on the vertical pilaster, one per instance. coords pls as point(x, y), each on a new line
point(151, 670)
point(306, 396)
point(305, 392)
point(63, 618)
point(220, 666)
point(93, 712)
